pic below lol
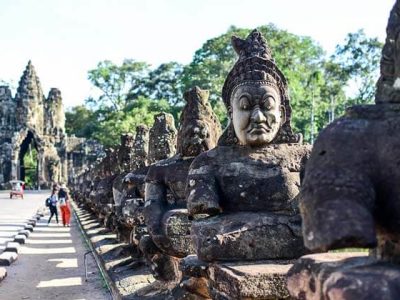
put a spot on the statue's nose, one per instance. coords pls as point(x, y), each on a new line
point(257, 116)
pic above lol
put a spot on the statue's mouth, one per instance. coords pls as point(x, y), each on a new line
point(259, 129)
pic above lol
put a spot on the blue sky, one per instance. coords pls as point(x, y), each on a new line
point(66, 38)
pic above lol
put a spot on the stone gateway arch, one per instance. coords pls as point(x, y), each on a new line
point(30, 121)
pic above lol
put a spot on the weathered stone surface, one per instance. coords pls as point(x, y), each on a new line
point(165, 208)
point(7, 258)
point(20, 238)
point(350, 196)
point(28, 227)
point(141, 147)
point(32, 222)
point(349, 185)
point(24, 232)
point(259, 183)
point(199, 126)
point(195, 276)
point(162, 142)
point(347, 276)
point(248, 236)
point(31, 118)
point(194, 267)
point(244, 280)
point(125, 153)
point(12, 247)
point(247, 186)
point(3, 274)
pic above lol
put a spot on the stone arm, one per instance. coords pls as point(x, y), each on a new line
point(337, 195)
point(202, 193)
point(155, 207)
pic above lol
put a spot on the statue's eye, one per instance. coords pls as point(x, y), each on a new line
point(268, 103)
point(244, 103)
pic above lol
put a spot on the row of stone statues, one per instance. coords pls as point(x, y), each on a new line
point(219, 214)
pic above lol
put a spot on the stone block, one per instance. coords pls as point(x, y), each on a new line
point(3, 274)
point(249, 280)
point(20, 238)
point(29, 227)
point(347, 276)
point(24, 232)
point(32, 222)
point(191, 266)
point(12, 247)
point(248, 236)
point(7, 258)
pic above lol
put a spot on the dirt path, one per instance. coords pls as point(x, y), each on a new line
point(50, 266)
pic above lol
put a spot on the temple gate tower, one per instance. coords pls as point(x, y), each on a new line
point(34, 126)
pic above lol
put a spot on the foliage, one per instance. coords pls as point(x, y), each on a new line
point(115, 123)
point(164, 83)
point(358, 59)
point(30, 164)
point(81, 121)
point(116, 81)
point(133, 92)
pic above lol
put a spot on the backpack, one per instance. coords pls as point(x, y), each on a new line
point(47, 202)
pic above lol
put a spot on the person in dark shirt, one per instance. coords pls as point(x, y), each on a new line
point(53, 204)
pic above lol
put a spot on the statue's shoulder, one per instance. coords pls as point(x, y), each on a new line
point(167, 162)
point(159, 169)
point(209, 159)
point(136, 176)
point(293, 151)
point(343, 131)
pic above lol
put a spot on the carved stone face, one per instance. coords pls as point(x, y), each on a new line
point(257, 114)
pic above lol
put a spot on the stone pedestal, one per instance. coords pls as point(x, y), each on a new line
point(349, 276)
point(244, 280)
point(236, 280)
point(3, 273)
point(20, 238)
point(7, 258)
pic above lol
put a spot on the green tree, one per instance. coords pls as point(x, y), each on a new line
point(81, 121)
point(359, 59)
point(115, 82)
point(133, 92)
point(141, 111)
point(164, 82)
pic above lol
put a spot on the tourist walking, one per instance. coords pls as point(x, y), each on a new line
point(63, 200)
point(53, 204)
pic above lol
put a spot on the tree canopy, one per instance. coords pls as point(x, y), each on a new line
point(320, 86)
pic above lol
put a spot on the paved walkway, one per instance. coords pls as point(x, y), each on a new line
point(50, 265)
point(15, 212)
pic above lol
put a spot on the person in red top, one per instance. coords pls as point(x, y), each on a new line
point(63, 200)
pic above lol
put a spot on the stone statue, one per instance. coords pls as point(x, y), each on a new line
point(163, 137)
point(104, 193)
point(141, 147)
point(130, 186)
point(351, 195)
point(247, 185)
point(159, 144)
point(165, 208)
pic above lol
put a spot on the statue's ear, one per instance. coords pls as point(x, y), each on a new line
point(238, 44)
point(283, 114)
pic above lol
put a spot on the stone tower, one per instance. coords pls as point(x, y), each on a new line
point(29, 100)
point(29, 120)
point(54, 117)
